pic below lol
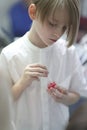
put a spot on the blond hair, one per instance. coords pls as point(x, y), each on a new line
point(45, 8)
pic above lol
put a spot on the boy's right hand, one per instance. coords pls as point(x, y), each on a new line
point(33, 72)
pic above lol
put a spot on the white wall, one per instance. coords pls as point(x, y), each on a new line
point(83, 8)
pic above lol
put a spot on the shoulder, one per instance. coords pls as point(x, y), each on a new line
point(67, 54)
point(61, 45)
point(72, 50)
point(13, 48)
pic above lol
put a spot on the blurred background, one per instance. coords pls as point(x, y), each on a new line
point(14, 20)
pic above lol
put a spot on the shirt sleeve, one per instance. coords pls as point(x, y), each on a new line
point(5, 71)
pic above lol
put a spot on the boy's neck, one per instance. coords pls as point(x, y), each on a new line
point(33, 37)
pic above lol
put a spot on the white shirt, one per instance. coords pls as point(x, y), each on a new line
point(35, 109)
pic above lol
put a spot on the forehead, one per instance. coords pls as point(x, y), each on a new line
point(60, 15)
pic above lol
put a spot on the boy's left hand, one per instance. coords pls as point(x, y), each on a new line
point(59, 94)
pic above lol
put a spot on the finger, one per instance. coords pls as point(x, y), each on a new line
point(40, 70)
point(38, 65)
point(62, 90)
point(36, 78)
point(57, 94)
point(49, 91)
point(36, 74)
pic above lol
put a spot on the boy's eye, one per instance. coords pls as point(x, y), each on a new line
point(52, 24)
point(64, 28)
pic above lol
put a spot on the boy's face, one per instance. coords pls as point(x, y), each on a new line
point(52, 28)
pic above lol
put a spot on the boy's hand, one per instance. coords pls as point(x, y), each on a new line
point(59, 94)
point(53, 85)
point(33, 72)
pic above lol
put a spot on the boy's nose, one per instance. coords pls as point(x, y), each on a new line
point(58, 33)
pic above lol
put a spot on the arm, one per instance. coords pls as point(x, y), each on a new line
point(70, 98)
point(64, 96)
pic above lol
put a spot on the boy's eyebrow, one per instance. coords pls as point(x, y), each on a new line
point(57, 21)
point(54, 20)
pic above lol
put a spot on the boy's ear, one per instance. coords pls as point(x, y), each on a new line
point(32, 11)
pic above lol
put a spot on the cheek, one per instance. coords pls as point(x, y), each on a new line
point(47, 32)
point(44, 31)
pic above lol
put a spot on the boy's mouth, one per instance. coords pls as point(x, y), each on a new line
point(53, 40)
